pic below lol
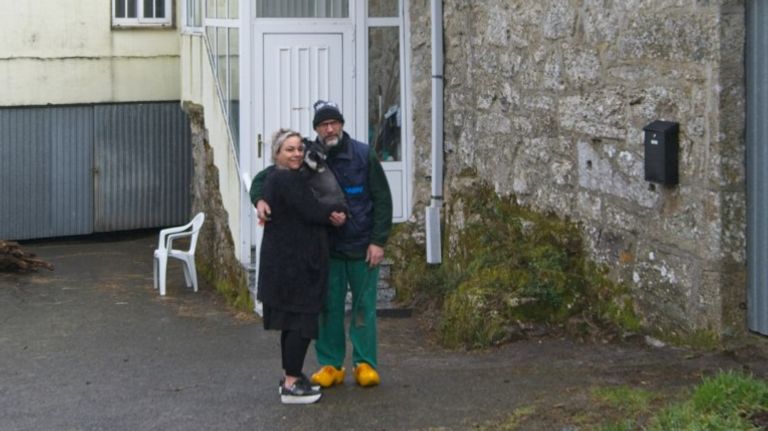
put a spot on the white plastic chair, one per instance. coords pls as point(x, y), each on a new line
point(165, 250)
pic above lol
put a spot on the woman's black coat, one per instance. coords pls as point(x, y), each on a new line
point(293, 271)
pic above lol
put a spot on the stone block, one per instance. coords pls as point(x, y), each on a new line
point(559, 19)
point(598, 114)
point(604, 168)
point(666, 35)
point(663, 285)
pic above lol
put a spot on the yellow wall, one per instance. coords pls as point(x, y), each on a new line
point(59, 52)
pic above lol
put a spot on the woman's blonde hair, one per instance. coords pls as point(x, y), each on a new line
point(279, 137)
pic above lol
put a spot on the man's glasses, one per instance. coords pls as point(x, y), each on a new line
point(320, 104)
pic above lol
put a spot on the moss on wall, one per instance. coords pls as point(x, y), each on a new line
point(697, 340)
point(507, 266)
point(232, 285)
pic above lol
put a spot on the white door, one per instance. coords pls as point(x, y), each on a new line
point(296, 70)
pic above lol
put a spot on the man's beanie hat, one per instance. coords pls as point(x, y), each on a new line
point(325, 111)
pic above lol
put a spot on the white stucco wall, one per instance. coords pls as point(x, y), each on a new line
point(60, 52)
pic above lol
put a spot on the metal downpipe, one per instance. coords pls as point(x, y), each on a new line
point(432, 217)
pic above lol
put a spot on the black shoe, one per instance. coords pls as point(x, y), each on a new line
point(303, 378)
point(299, 393)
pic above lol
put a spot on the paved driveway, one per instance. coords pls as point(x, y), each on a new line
point(91, 346)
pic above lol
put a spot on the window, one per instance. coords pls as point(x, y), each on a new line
point(135, 13)
point(222, 34)
point(384, 79)
point(383, 8)
point(302, 8)
point(193, 14)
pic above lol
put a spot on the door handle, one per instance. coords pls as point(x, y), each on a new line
point(259, 144)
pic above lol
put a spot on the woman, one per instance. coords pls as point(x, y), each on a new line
point(293, 272)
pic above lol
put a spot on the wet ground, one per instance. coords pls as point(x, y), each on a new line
point(91, 346)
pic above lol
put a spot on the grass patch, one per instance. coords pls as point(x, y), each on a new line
point(631, 405)
point(511, 423)
point(629, 401)
point(728, 401)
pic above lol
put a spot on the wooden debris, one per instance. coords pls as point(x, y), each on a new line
point(13, 258)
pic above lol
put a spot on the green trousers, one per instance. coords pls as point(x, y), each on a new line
point(331, 342)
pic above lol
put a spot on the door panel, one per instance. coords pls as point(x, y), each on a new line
point(298, 70)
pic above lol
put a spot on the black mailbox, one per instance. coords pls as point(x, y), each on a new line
point(661, 148)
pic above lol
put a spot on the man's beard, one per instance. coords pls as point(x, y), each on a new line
point(331, 141)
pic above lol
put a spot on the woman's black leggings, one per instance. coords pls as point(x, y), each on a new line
point(293, 348)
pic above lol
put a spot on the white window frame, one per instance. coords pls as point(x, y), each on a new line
point(185, 9)
point(139, 20)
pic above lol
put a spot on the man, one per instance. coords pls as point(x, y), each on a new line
point(357, 248)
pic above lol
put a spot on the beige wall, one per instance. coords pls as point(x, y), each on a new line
point(58, 52)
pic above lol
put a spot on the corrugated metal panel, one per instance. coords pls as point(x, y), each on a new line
point(143, 166)
point(757, 160)
point(45, 179)
point(75, 170)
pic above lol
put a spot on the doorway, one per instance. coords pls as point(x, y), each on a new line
point(351, 52)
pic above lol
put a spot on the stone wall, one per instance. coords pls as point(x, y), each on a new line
point(214, 257)
point(547, 99)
